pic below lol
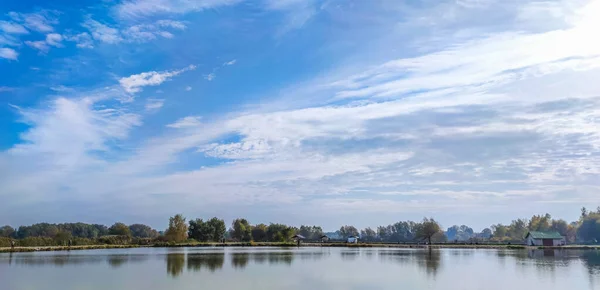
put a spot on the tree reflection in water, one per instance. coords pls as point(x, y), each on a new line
point(428, 259)
point(212, 261)
point(240, 260)
point(116, 261)
point(175, 264)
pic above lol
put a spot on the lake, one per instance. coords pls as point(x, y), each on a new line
point(301, 268)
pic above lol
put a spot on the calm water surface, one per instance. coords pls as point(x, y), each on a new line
point(304, 268)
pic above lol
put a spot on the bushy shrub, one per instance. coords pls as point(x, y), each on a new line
point(115, 240)
point(4, 242)
point(36, 242)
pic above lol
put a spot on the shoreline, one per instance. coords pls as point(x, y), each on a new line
point(290, 245)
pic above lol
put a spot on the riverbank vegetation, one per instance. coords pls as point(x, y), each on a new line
point(199, 232)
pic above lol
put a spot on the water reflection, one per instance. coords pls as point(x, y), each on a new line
point(341, 268)
point(350, 255)
point(432, 261)
point(175, 262)
point(212, 261)
point(592, 261)
point(427, 259)
point(240, 260)
point(116, 261)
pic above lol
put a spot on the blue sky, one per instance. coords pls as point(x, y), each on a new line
point(298, 111)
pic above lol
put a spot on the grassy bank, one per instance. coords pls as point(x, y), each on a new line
point(289, 244)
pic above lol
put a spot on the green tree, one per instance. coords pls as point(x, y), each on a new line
point(217, 229)
point(589, 229)
point(517, 229)
point(540, 223)
point(242, 230)
point(7, 232)
point(427, 229)
point(198, 230)
point(211, 230)
point(177, 231)
point(142, 231)
point(310, 232)
point(259, 233)
point(348, 231)
point(368, 235)
point(119, 229)
point(486, 233)
point(499, 231)
point(279, 233)
point(62, 238)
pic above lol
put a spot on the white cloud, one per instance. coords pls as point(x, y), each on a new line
point(188, 88)
point(143, 8)
point(8, 53)
point(297, 12)
point(83, 40)
point(172, 24)
point(134, 83)
point(231, 62)
point(8, 40)
point(42, 21)
point(102, 32)
point(13, 28)
point(495, 118)
point(62, 89)
point(153, 105)
point(135, 33)
point(40, 45)
point(209, 77)
point(187, 122)
point(6, 89)
point(54, 39)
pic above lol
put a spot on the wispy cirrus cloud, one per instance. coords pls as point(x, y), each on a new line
point(110, 34)
point(8, 53)
point(153, 105)
point(143, 8)
point(135, 83)
point(42, 21)
point(486, 115)
point(13, 28)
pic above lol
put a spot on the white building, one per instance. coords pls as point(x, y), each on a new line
point(352, 240)
point(546, 239)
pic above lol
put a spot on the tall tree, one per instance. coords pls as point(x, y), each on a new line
point(427, 229)
point(216, 228)
point(259, 233)
point(142, 231)
point(517, 229)
point(177, 231)
point(540, 223)
point(198, 230)
point(119, 229)
point(348, 231)
point(242, 230)
point(7, 232)
point(279, 232)
point(310, 232)
point(368, 235)
point(589, 230)
point(486, 233)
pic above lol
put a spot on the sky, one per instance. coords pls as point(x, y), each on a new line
point(327, 112)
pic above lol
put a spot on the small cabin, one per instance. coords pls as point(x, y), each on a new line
point(546, 239)
point(324, 238)
point(352, 239)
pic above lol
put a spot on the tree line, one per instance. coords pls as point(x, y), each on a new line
point(585, 230)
